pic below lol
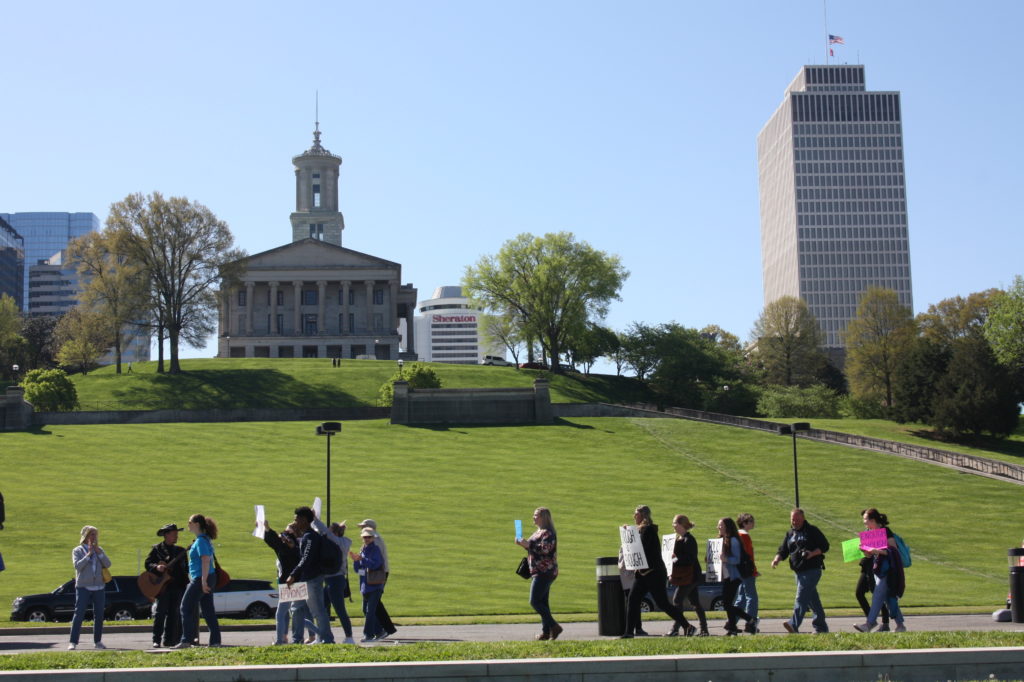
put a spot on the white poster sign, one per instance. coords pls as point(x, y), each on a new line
point(297, 592)
point(261, 517)
point(713, 561)
point(668, 544)
point(632, 549)
point(317, 506)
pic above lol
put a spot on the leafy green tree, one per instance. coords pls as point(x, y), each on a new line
point(882, 330)
point(50, 390)
point(956, 317)
point(552, 285)
point(976, 395)
point(595, 342)
point(639, 349)
point(185, 251)
point(1004, 327)
point(503, 330)
point(38, 331)
point(83, 335)
point(11, 341)
point(788, 343)
point(796, 401)
point(417, 375)
point(918, 374)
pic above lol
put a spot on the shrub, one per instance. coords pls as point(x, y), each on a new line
point(794, 401)
point(50, 390)
point(418, 376)
point(861, 408)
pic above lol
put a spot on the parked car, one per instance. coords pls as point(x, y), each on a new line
point(124, 602)
point(495, 360)
point(255, 599)
point(532, 365)
point(710, 595)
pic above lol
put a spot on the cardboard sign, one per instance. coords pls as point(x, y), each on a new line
point(851, 550)
point(297, 592)
point(874, 539)
point(668, 544)
point(632, 549)
point(261, 516)
point(713, 561)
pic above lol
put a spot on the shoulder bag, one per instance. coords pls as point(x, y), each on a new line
point(523, 570)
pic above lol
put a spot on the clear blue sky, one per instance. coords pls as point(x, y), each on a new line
point(462, 123)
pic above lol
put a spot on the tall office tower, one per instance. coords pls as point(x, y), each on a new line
point(833, 196)
point(46, 234)
point(12, 263)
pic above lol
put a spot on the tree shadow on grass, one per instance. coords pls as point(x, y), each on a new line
point(1005, 446)
point(230, 388)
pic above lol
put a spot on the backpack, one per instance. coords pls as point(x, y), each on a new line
point(904, 550)
point(330, 556)
point(746, 565)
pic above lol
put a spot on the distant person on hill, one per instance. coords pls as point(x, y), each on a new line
point(805, 547)
point(166, 558)
point(653, 579)
point(746, 596)
point(385, 627)
point(887, 568)
point(202, 574)
point(542, 555)
point(308, 570)
point(336, 584)
point(89, 560)
point(687, 577)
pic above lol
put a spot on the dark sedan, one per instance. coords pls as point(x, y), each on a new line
point(124, 602)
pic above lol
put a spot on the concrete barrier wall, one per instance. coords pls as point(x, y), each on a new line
point(204, 416)
point(492, 406)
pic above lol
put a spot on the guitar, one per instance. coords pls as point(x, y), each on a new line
point(152, 584)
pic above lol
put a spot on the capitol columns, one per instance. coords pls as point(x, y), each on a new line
point(321, 297)
point(272, 327)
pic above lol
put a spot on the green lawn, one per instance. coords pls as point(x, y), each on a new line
point(279, 382)
point(445, 499)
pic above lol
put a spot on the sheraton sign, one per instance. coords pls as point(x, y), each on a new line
point(454, 318)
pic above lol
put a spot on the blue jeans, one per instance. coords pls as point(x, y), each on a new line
point(300, 617)
point(746, 597)
point(189, 622)
point(334, 593)
point(281, 622)
point(83, 600)
point(315, 604)
point(881, 598)
point(807, 599)
point(540, 589)
point(371, 628)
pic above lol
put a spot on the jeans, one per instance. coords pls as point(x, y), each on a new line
point(692, 593)
point(189, 622)
point(334, 594)
point(540, 589)
point(730, 590)
point(281, 618)
point(746, 597)
point(371, 600)
point(83, 600)
point(167, 620)
point(807, 599)
point(315, 604)
point(865, 584)
point(300, 616)
point(880, 599)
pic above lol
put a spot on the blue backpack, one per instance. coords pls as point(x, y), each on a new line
point(904, 550)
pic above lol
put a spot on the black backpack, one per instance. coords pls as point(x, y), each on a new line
point(331, 557)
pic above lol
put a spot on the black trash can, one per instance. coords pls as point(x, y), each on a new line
point(611, 601)
point(1016, 559)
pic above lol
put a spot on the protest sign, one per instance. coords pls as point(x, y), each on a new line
point(874, 539)
point(713, 561)
point(317, 506)
point(519, 529)
point(296, 592)
point(632, 549)
point(668, 544)
point(260, 518)
point(851, 550)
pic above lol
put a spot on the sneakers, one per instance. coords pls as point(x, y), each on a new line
point(156, 645)
point(883, 628)
point(366, 640)
point(182, 645)
point(72, 647)
point(900, 628)
point(628, 635)
point(864, 627)
point(690, 630)
point(99, 645)
point(704, 633)
point(789, 627)
point(674, 632)
point(349, 640)
point(751, 627)
point(556, 630)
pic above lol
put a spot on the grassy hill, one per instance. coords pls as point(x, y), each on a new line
point(312, 382)
point(445, 498)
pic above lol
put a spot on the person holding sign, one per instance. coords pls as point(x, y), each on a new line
point(805, 546)
point(542, 554)
point(687, 576)
point(866, 583)
point(286, 548)
point(887, 568)
point(651, 579)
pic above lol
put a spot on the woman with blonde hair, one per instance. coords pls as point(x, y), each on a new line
point(651, 579)
point(202, 573)
point(542, 552)
point(89, 561)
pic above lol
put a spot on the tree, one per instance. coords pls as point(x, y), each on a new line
point(788, 342)
point(82, 337)
point(882, 330)
point(1004, 327)
point(639, 348)
point(114, 286)
point(794, 401)
point(503, 329)
point(11, 341)
point(957, 317)
point(417, 376)
point(38, 331)
point(595, 342)
point(976, 395)
point(50, 390)
point(185, 251)
point(618, 356)
point(918, 373)
point(552, 285)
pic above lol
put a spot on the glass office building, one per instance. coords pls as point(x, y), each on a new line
point(46, 234)
point(12, 263)
point(833, 196)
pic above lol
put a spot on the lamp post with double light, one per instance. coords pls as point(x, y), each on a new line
point(791, 429)
point(328, 429)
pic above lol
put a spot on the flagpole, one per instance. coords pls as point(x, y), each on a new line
point(824, 10)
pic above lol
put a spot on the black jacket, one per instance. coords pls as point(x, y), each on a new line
point(162, 553)
point(287, 557)
point(651, 542)
point(798, 542)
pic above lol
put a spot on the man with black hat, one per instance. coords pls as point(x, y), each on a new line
point(165, 560)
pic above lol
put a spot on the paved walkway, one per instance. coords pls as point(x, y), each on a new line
point(136, 638)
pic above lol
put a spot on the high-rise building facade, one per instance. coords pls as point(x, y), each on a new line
point(833, 196)
point(12, 263)
point(448, 329)
point(46, 234)
point(53, 287)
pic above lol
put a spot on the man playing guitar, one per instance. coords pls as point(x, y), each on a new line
point(165, 579)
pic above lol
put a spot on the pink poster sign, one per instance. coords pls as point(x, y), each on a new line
point(874, 539)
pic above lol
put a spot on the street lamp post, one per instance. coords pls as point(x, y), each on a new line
point(401, 363)
point(328, 429)
point(791, 429)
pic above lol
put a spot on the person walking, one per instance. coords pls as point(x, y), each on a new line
point(887, 569)
point(202, 574)
point(805, 546)
point(746, 595)
point(542, 553)
point(387, 628)
point(89, 560)
point(369, 562)
point(866, 584)
point(336, 584)
point(686, 576)
point(166, 561)
point(731, 578)
point(308, 571)
point(652, 579)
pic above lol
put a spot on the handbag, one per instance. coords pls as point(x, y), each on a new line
point(681, 575)
point(523, 570)
point(376, 576)
point(106, 575)
point(222, 576)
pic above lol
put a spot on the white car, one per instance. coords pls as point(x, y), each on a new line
point(255, 599)
point(495, 360)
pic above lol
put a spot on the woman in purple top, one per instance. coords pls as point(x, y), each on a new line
point(542, 551)
point(370, 558)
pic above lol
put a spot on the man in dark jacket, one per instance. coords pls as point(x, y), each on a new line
point(805, 546)
point(308, 571)
point(166, 559)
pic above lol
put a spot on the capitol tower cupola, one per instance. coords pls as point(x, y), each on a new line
point(316, 213)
